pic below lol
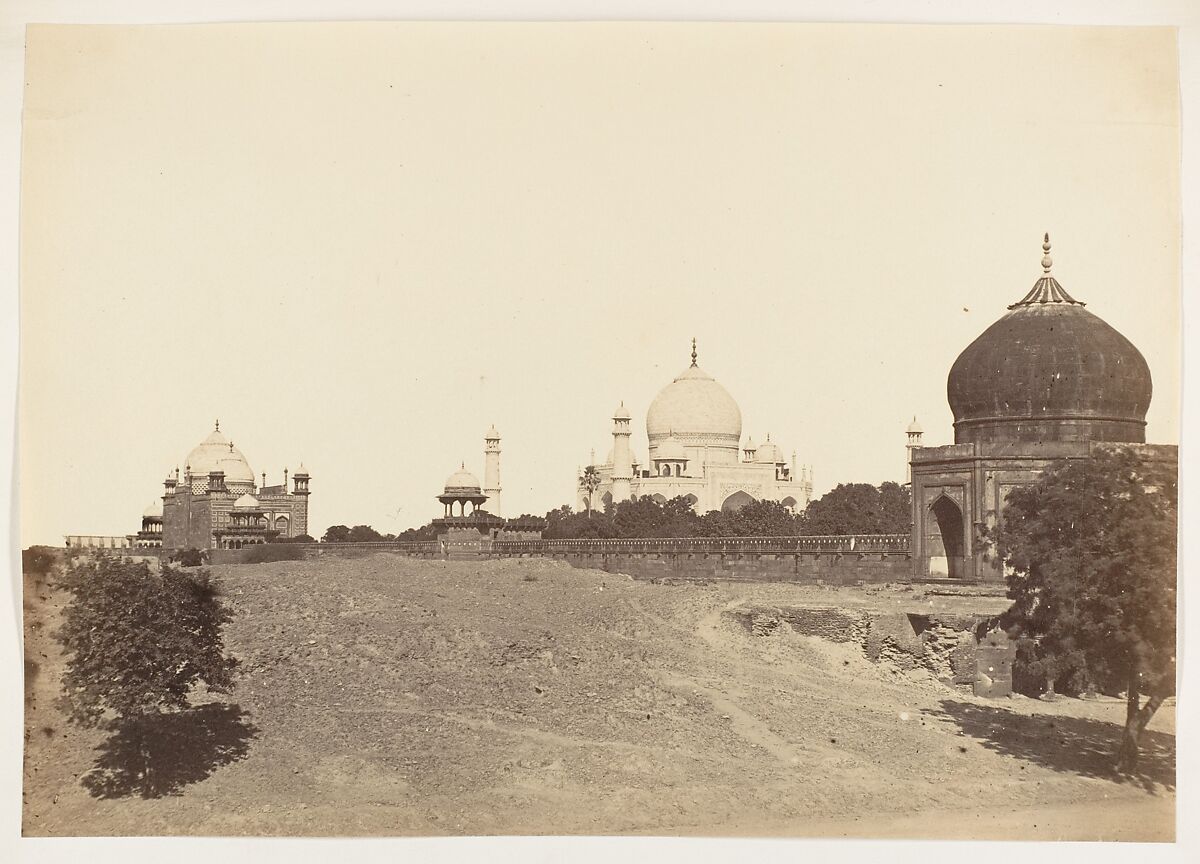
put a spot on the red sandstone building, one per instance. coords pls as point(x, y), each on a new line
point(216, 504)
point(1046, 382)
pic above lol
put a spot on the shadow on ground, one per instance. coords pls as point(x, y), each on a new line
point(1078, 745)
point(162, 754)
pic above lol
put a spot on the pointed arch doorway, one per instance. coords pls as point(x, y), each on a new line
point(946, 538)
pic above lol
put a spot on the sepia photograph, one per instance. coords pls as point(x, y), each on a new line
point(591, 429)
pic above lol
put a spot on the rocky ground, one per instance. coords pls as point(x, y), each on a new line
point(389, 696)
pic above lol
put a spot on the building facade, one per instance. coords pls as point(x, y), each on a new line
point(694, 430)
point(1048, 381)
point(215, 503)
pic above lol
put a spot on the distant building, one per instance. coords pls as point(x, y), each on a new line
point(1046, 382)
point(694, 428)
point(464, 533)
point(216, 504)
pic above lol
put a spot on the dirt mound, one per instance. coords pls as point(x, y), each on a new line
point(398, 696)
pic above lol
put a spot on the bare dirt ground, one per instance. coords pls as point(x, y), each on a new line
point(396, 697)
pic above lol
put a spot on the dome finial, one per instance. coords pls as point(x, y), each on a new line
point(1047, 262)
point(693, 350)
point(217, 426)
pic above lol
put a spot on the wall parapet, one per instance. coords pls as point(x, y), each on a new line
point(862, 543)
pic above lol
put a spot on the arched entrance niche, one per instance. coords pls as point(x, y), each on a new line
point(659, 498)
point(692, 500)
point(789, 502)
point(945, 538)
point(606, 501)
point(736, 502)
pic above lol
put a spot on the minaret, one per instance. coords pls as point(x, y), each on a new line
point(299, 521)
point(914, 433)
point(491, 470)
point(622, 467)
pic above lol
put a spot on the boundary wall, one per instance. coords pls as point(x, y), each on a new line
point(835, 560)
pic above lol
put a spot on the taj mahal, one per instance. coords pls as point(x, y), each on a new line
point(694, 429)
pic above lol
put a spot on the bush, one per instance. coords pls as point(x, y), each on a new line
point(267, 552)
point(38, 560)
point(189, 557)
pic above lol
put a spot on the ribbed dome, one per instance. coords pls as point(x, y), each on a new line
point(246, 502)
point(1049, 370)
point(695, 409)
point(462, 482)
point(215, 453)
point(621, 412)
point(154, 511)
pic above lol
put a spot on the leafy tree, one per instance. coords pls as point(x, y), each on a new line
point(563, 524)
point(426, 532)
point(1091, 554)
point(137, 641)
point(363, 534)
point(336, 534)
point(859, 508)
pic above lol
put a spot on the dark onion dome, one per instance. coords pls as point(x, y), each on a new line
point(1049, 370)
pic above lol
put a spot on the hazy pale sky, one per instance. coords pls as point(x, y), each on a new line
point(361, 244)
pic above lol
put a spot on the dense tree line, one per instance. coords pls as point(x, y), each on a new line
point(851, 508)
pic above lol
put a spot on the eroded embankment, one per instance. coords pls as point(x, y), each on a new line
point(943, 644)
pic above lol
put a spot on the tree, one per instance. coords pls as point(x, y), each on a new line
point(363, 534)
point(336, 534)
point(859, 508)
point(137, 641)
point(1091, 557)
point(590, 481)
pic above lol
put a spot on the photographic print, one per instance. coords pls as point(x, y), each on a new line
point(673, 429)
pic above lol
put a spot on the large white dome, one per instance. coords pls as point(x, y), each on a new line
point(215, 453)
point(695, 409)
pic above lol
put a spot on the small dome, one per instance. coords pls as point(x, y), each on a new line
point(216, 453)
point(621, 412)
point(1049, 370)
point(154, 511)
point(492, 434)
point(768, 453)
point(914, 428)
point(246, 502)
point(462, 482)
point(670, 450)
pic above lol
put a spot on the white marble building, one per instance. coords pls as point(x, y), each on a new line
point(694, 429)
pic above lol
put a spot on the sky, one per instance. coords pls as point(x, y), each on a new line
point(360, 245)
